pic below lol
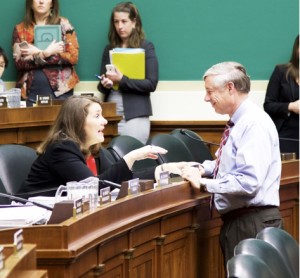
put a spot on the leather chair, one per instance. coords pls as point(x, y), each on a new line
point(15, 164)
point(122, 145)
point(265, 252)
point(196, 146)
point(285, 244)
point(177, 150)
point(248, 266)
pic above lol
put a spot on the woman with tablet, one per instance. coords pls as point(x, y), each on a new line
point(45, 64)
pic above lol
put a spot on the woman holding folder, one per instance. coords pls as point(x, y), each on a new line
point(130, 92)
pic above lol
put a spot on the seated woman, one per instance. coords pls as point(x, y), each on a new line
point(3, 66)
point(74, 137)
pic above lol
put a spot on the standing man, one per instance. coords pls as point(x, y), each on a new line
point(245, 177)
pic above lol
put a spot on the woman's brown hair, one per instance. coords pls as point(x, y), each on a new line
point(69, 124)
point(293, 65)
point(53, 18)
point(137, 34)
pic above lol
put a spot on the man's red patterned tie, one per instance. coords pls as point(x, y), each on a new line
point(225, 136)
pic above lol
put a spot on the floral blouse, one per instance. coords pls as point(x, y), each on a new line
point(59, 69)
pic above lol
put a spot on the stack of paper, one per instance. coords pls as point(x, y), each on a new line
point(130, 61)
point(46, 200)
point(23, 215)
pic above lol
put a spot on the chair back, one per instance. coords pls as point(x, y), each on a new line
point(285, 244)
point(248, 266)
point(122, 145)
point(177, 150)
point(265, 252)
point(15, 164)
point(197, 147)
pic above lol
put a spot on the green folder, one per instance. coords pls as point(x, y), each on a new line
point(45, 34)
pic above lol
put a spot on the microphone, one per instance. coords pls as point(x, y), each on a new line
point(110, 183)
point(288, 139)
point(36, 192)
point(24, 201)
point(184, 132)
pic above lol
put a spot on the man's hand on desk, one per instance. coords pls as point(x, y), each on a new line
point(174, 168)
point(193, 175)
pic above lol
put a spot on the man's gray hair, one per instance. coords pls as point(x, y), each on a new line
point(230, 72)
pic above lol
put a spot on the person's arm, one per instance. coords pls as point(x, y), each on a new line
point(254, 160)
point(69, 55)
point(67, 162)
point(22, 63)
point(294, 106)
point(247, 172)
point(57, 53)
point(146, 152)
point(147, 85)
point(105, 60)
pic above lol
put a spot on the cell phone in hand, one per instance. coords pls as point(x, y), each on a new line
point(110, 68)
point(23, 44)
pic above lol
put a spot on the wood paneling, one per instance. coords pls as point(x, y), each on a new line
point(163, 233)
point(30, 126)
point(21, 263)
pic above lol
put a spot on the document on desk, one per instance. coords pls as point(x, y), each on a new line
point(45, 200)
point(22, 215)
point(130, 61)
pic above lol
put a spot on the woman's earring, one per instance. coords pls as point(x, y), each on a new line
point(51, 13)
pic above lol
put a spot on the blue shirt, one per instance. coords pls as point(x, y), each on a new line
point(250, 166)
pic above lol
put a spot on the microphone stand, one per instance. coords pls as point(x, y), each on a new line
point(110, 183)
point(24, 201)
point(184, 132)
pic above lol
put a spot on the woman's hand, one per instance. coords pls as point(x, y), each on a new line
point(174, 168)
point(16, 52)
point(106, 82)
point(115, 76)
point(54, 48)
point(148, 151)
point(294, 106)
point(25, 50)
